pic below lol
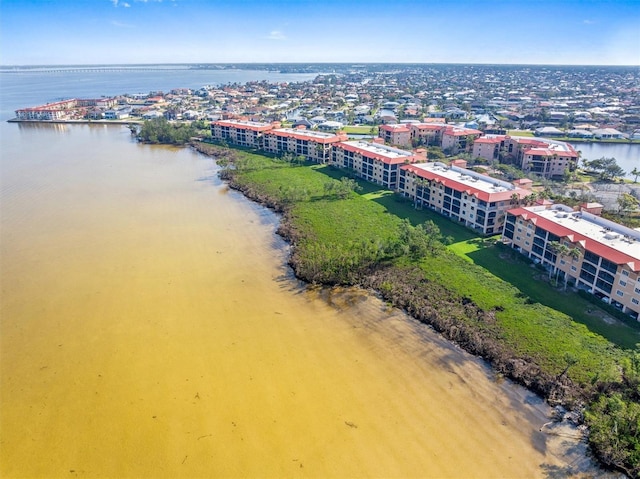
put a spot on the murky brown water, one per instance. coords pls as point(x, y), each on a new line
point(149, 328)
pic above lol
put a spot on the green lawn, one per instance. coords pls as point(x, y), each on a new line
point(360, 129)
point(515, 269)
point(520, 133)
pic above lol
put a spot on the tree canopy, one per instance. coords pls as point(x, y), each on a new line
point(159, 130)
point(606, 168)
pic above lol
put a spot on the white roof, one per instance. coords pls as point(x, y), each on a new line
point(599, 229)
point(467, 177)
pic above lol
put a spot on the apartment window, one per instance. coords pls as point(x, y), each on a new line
point(619, 293)
point(623, 283)
point(573, 268)
point(562, 261)
point(635, 301)
point(527, 243)
point(625, 272)
point(528, 235)
point(518, 238)
point(637, 290)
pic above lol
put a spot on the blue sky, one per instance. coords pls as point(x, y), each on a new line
point(599, 32)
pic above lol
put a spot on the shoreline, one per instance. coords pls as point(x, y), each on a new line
point(79, 122)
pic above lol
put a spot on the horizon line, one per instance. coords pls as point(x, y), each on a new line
point(35, 65)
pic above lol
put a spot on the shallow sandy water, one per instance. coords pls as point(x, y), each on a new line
point(150, 328)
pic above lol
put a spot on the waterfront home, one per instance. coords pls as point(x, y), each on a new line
point(608, 134)
point(374, 161)
point(581, 249)
point(117, 114)
point(478, 201)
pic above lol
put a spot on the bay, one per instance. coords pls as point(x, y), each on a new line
point(150, 327)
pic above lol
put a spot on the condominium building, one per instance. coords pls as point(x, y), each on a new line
point(488, 147)
point(458, 139)
point(399, 134)
point(478, 201)
point(51, 111)
point(550, 160)
point(581, 249)
point(427, 134)
point(241, 132)
point(541, 156)
point(313, 145)
point(374, 161)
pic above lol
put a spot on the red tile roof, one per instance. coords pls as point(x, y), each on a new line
point(549, 152)
point(461, 131)
point(490, 141)
point(430, 127)
point(589, 244)
point(395, 128)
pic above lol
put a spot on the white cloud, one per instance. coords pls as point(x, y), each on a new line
point(588, 22)
point(276, 35)
point(121, 25)
point(118, 3)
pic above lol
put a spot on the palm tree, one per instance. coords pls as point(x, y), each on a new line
point(635, 172)
point(561, 250)
point(421, 184)
point(530, 199)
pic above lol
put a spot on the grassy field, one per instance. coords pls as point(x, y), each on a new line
point(520, 133)
point(360, 129)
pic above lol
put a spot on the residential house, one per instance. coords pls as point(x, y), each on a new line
point(607, 134)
